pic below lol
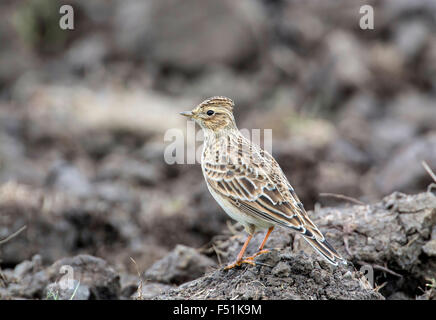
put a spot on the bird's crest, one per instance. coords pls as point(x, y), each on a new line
point(218, 101)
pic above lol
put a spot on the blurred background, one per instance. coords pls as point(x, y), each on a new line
point(83, 113)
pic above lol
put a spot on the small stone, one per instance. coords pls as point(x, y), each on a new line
point(348, 275)
point(77, 291)
point(22, 269)
point(180, 265)
point(282, 269)
point(101, 279)
point(430, 248)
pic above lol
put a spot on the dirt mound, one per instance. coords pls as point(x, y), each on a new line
point(390, 247)
point(281, 275)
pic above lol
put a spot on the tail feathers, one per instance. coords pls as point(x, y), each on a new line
point(326, 250)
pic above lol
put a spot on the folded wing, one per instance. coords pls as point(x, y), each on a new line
point(254, 182)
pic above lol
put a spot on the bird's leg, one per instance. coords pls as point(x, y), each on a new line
point(250, 259)
point(239, 259)
point(265, 239)
point(260, 250)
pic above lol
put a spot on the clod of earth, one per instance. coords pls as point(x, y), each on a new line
point(395, 238)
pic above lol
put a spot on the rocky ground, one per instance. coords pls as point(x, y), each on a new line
point(390, 247)
point(84, 123)
point(280, 275)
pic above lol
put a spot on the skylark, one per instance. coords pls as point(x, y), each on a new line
point(248, 183)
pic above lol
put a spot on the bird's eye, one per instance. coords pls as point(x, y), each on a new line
point(210, 112)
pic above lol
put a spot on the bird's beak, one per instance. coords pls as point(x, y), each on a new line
point(188, 114)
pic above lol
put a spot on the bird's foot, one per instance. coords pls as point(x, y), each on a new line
point(247, 260)
point(239, 263)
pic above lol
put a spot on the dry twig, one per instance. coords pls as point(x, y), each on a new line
point(429, 171)
point(140, 297)
point(432, 175)
point(341, 196)
point(16, 233)
point(377, 288)
point(381, 268)
point(2, 279)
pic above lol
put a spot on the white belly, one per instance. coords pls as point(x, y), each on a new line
point(248, 221)
point(235, 213)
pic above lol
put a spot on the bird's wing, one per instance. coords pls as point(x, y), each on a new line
point(253, 181)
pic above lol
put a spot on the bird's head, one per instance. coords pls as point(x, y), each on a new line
point(215, 113)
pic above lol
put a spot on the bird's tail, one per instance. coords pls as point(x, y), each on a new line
point(326, 250)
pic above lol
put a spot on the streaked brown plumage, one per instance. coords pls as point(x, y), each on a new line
point(248, 183)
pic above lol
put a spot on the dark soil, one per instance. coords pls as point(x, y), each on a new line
point(85, 115)
point(282, 275)
point(389, 247)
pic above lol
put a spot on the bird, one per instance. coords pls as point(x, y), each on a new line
point(248, 183)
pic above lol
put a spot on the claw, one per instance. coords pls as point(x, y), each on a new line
point(247, 260)
point(238, 263)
